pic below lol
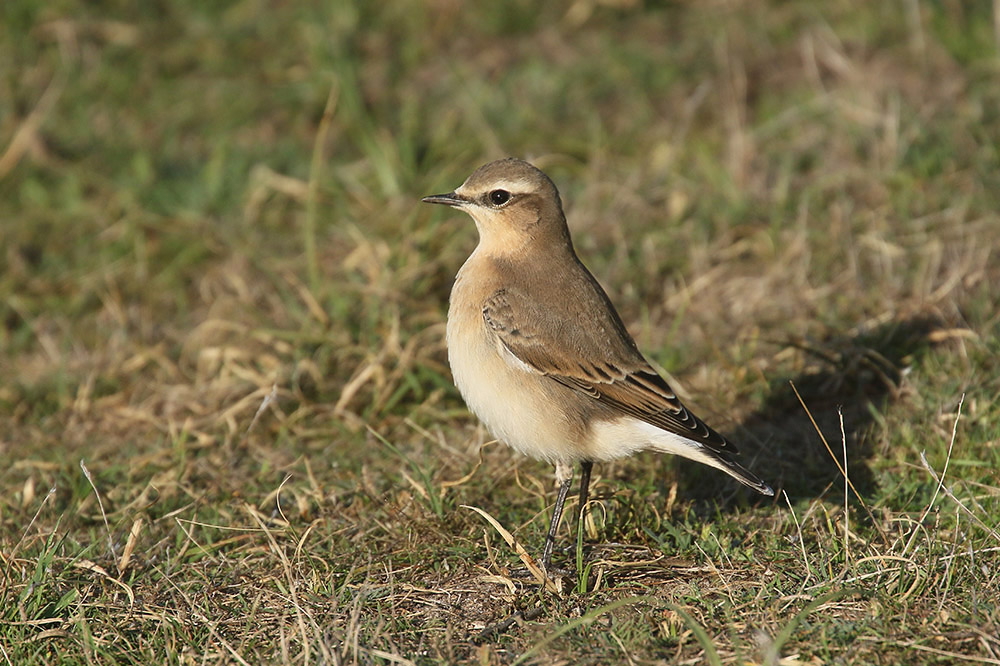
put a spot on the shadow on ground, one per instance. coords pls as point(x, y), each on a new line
point(858, 373)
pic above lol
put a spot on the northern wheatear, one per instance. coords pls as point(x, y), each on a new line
point(539, 352)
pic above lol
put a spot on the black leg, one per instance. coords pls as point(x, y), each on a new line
point(550, 540)
point(585, 468)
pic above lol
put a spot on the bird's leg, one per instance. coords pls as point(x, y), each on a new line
point(564, 474)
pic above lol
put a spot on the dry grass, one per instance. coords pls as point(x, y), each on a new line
point(229, 424)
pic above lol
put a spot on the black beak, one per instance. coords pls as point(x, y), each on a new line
point(450, 199)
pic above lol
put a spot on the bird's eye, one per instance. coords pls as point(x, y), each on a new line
point(499, 197)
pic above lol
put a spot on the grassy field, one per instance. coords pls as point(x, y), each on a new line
point(228, 432)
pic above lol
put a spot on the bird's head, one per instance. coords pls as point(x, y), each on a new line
point(514, 206)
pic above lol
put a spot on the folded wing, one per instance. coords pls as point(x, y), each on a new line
point(601, 361)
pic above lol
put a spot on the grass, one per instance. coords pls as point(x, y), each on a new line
point(227, 423)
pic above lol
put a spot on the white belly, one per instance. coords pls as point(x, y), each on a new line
point(505, 398)
point(513, 401)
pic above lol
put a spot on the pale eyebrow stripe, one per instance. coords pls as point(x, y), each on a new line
point(519, 186)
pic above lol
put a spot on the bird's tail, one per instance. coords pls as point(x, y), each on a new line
point(668, 442)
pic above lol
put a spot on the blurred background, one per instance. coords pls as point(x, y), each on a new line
point(215, 271)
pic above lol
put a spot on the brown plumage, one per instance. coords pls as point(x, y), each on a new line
point(539, 352)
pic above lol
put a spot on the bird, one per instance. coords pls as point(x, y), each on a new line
point(541, 356)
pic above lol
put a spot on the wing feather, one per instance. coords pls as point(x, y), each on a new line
point(601, 361)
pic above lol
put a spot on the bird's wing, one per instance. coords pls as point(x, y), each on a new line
point(598, 359)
